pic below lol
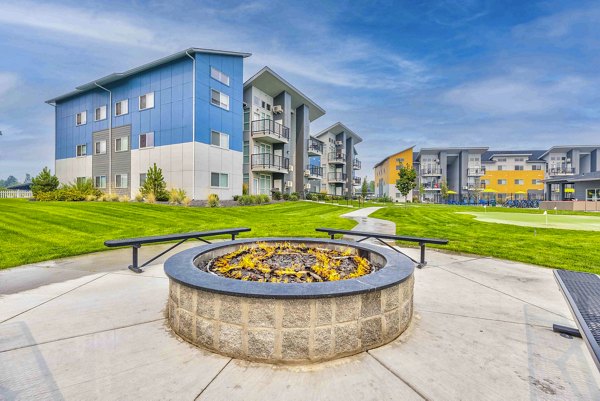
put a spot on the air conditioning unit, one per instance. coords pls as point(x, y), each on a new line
point(307, 172)
point(339, 143)
point(306, 186)
point(288, 184)
point(291, 168)
point(277, 109)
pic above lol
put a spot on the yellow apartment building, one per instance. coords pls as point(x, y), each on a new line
point(386, 174)
point(513, 174)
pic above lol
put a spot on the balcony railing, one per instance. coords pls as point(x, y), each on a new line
point(561, 171)
point(357, 180)
point(269, 162)
point(314, 171)
point(271, 129)
point(476, 171)
point(356, 164)
point(435, 170)
point(337, 177)
point(315, 147)
point(431, 185)
point(337, 157)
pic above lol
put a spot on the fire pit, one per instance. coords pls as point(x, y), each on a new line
point(284, 300)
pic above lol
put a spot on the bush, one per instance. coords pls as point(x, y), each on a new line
point(43, 183)
point(286, 196)
point(176, 196)
point(294, 197)
point(244, 189)
point(321, 196)
point(264, 198)
point(213, 200)
point(81, 191)
point(139, 197)
point(276, 195)
point(236, 197)
point(245, 200)
point(124, 198)
point(91, 198)
point(186, 201)
point(155, 184)
point(150, 198)
point(311, 197)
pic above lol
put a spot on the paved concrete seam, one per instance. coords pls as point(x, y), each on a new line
point(81, 335)
point(504, 293)
point(488, 319)
point(137, 275)
point(213, 379)
point(412, 387)
point(52, 299)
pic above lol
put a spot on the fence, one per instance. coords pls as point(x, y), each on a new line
point(15, 193)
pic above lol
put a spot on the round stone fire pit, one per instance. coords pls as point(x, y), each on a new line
point(289, 322)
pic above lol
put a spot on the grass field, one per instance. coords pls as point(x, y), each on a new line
point(567, 249)
point(35, 231)
point(560, 221)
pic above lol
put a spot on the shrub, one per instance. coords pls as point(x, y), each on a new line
point(150, 198)
point(321, 196)
point(124, 198)
point(113, 197)
point(286, 196)
point(276, 195)
point(245, 200)
point(213, 200)
point(294, 197)
point(186, 201)
point(176, 196)
point(155, 184)
point(244, 189)
point(91, 198)
point(264, 198)
point(294, 193)
point(139, 197)
point(311, 197)
point(44, 182)
point(236, 197)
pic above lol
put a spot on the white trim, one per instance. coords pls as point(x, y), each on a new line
point(121, 138)
point(218, 76)
point(221, 105)
point(83, 118)
point(100, 108)
point(149, 104)
point(140, 140)
point(124, 105)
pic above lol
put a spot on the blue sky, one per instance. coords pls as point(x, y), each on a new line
point(427, 73)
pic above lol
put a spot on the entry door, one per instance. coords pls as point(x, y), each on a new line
point(265, 184)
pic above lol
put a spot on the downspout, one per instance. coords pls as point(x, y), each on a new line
point(109, 137)
point(55, 131)
point(193, 124)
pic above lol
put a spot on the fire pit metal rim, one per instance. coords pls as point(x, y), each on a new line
point(181, 268)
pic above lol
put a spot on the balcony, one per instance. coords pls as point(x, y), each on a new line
point(356, 164)
point(561, 171)
point(337, 158)
point(475, 171)
point(356, 181)
point(431, 170)
point(337, 178)
point(314, 172)
point(270, 131)
point(269, 163)
point(315, 148)
point(432, 186)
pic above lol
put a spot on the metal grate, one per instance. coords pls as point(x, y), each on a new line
point(582, 291)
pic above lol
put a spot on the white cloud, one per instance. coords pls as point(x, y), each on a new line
point(8, 81)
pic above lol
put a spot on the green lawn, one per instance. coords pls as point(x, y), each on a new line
point(36, 231)
point(566, 249)
point(561, 221)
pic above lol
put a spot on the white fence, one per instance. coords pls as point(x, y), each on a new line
point(15, 193)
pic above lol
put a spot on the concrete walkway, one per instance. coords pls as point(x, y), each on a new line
point(481, 331)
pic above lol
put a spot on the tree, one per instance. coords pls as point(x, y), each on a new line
point(364, 188)
point(44, 182)
point(11, 180)
point(421, 191)
point(372, 186)
point(155, 184)
point(444, 190)
point(407, 179)
point(27, 178)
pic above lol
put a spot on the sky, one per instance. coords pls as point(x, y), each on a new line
point(504, 74)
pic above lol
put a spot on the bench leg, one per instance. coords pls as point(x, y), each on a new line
point(422, 261)
point(557, 328)
point(134, 267)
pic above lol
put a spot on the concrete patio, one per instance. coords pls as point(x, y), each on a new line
point(86, 328)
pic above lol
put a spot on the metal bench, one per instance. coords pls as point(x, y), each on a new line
point(582, 292)
point(136, 243)
point(380, 237)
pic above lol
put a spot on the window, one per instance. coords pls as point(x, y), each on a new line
point(81, 180)
point(142, 179)
point(219, 180)
point(122, 144)
point(121, 181)
point(246, 120)
point(219, 76)
point(81, 150)
point(501, 182)
point(519, 159)
point(100, 181)
point(500, 168)
point(519, 168)
point(81, 118)
point(537, 167)
point(536, 182)
point(219, 99)
point(147, 101)
point(219, 139)
point(268, 107)
point(501, 159)
point(146, 140)
point(100, 113)
point(263, 104)
point(246, 152)
point(122, 107)
point(519, 181)
point(100, 147)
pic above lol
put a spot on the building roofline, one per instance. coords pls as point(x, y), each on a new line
point(453, 148)
point(383, 161)
point(115, 76)
point(568, 147)
point(342, 128)
point(292, 89)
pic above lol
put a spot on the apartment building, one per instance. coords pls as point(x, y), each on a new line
point(386, 174)
point(339, 160)
point(460, 168)
point(572, 172)
point(514, 174)
point(278, 151)
point(182, 112)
